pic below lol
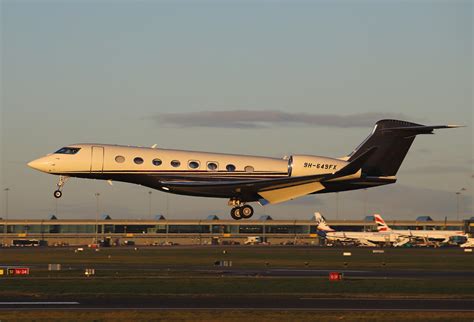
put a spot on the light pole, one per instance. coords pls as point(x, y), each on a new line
point(5, 227)
point(337, 205)
point(457, 204)
point(149, 204)
point(97, 195)
point(458, 196)
point(366, 198)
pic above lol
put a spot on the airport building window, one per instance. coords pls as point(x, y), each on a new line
point(160, 229)
point(313, 229)
point(175, 163)
point(193, 164)
point(454, 227)
point(156, 162)
point(17, 229)
point(230, 167)
point(119, 159)
point(77, 229)
point(188, 229)
point(54, 229)
point(136, 229)
point(109, 229)
point(212, 166)
point(67, 150)
point(220, 229)
point(250, 229)
point(138, 160)
point(249, 168)
point(352, 228)
point(280, 229)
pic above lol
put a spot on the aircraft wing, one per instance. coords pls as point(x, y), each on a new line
point(271, 190)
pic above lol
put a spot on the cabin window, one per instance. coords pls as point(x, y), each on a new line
point(193, 164)
point(230, 167)
point(67, 150)
point(138, 160)
point(120, 159)
point(156, 162)
point(249, 168)
point(175, 163)
point(212, 166)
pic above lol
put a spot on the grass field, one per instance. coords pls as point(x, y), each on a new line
point(190, 272)
point(146, 287)
point(247, 257)
point(234, 315)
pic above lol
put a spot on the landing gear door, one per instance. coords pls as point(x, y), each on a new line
point(97, 159)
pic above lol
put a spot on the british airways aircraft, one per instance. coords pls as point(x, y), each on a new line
point(240, 178)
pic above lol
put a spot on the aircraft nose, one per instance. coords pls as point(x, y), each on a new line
point(41, 164)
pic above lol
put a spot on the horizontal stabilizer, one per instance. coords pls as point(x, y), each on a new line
point(421, 129)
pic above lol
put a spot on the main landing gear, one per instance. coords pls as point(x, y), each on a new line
point(62, 181)
point(240, 210)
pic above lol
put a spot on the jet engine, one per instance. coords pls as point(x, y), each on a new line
point(305, 165)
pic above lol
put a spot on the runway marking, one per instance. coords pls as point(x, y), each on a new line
point(39, 303)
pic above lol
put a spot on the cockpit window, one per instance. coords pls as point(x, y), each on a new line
point(68, 150)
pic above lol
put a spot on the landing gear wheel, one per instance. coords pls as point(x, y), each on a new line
point(61, 183)
point(246, 211)
point(236, 213)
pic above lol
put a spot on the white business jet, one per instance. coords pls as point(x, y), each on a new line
point(240, 178)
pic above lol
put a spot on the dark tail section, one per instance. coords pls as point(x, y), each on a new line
point(391, 139)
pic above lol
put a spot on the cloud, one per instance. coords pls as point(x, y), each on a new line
point(424, 151)
point(401, 201)
point(269, 118)
point(437, 169)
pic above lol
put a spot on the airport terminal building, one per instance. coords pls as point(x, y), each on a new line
point(211, 230)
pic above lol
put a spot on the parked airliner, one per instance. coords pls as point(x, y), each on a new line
point(430, 235)
point(240, 178)
point(361, 237)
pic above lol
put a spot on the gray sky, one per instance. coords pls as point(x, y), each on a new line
point(265, 78)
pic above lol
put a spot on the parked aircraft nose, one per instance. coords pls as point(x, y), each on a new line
point(41, 164)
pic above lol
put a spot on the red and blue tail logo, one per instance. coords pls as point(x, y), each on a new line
point(381, 225)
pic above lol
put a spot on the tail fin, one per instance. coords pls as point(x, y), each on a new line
point(381, 225)
point(393, 139)
point(321, 222)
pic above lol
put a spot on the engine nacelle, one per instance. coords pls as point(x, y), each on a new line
point(306, 165)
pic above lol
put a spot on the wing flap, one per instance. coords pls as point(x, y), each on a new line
point(285, 194)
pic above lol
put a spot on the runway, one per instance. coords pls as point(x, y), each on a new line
point(382, 273)
point(249, 303)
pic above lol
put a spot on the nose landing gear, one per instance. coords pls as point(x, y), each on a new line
point(62, 181)
point(240, 210)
